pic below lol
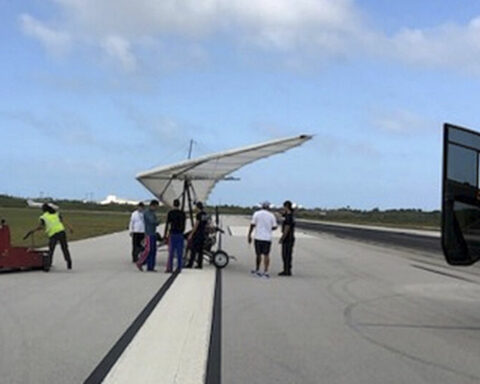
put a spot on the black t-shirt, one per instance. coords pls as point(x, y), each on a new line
point(290, 221)
point(202, 219)
point(176, 220)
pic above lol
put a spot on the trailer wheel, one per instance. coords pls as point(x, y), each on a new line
point(220, 259)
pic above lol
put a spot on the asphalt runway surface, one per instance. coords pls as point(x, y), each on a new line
point(417, 241)
point(357, 310)
point(55, 327)
point(354, 312)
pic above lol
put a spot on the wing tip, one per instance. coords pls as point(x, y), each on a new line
point(306, 136)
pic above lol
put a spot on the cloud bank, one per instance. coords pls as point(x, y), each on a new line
point(295, 29)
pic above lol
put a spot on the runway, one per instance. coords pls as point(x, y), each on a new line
point(55, 327)
point(427, 241)
point(354, 312)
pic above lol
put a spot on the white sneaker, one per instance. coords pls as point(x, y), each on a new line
point(266, 275)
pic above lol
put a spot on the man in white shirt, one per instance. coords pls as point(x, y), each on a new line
point(137, 231)
point(264, 222)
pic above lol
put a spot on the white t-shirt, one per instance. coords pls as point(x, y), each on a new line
point(137, 224)
point(264, 222)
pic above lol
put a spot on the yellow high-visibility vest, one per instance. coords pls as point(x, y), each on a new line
point(53, 223)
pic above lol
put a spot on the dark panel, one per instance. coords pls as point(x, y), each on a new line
point(460, 197)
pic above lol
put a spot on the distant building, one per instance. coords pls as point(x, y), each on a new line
point(113, 199)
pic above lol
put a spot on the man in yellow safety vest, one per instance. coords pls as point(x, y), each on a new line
point(54, 227)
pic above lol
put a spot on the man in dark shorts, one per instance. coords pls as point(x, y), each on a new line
point(288, 238)
point(264, 222)
point(174, 228)
point(196, 238)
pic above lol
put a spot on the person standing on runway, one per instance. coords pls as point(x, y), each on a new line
point(288, 238)
point(264, 223)
point(196, 239)
point(150, 252)
point(54, 225)
point(174, 228)
point(137, 231)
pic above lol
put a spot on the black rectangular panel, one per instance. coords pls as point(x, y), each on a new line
point(461, 196)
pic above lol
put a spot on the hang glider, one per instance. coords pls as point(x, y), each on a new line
point(197, 177)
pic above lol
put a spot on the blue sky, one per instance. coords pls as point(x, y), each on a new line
point(95, 91)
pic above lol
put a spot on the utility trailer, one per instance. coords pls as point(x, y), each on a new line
point(20, 258)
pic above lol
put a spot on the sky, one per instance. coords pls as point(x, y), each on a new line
point(93, 92)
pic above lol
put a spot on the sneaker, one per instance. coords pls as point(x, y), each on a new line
point(253, 271)
point(266, 275)
point(283, 273)
point(259, 274)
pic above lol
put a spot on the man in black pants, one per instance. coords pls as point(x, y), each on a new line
point(288, 238)
point(137, 231)
point(174, 228)
point(196, 238)
point(54, 225)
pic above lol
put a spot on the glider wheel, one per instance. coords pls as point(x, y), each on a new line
point(220, 259)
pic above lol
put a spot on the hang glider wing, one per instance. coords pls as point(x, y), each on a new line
point(168, 182)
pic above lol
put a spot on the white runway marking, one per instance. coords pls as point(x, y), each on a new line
point(242, 231)
point(172, 346)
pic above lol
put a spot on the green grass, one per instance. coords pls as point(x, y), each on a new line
point(84, 223)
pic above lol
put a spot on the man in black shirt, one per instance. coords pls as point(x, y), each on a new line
point(288, 238)
point(197, 237)
point(174, 228)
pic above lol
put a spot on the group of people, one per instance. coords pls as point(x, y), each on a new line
point(264, 223)
point(143, 230)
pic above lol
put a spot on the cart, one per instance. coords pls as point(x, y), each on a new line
point(20, 258)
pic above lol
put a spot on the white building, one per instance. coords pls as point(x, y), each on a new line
point(113, 199)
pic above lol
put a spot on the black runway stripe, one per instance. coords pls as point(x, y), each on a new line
point(443, 273)
point(214, 364)
point(104, 367)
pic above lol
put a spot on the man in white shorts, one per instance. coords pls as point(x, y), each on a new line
point(264, 223)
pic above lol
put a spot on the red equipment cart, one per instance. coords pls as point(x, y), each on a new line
point(20, 258)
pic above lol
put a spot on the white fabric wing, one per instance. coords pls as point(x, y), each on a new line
point(167, 182)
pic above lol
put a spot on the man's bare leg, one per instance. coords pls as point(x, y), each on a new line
point(258, 262)
point(266, 262)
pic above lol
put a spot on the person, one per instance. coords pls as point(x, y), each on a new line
point(137, 231)
point(196, 239)
point(54, 226)
point(149, 253)
point(174, 228)
point(264, 222)
point(288, 238)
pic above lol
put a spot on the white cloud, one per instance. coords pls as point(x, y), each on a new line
point(403, 122)
point(450, 46)
point(56, 42)
point(64, 127)
point(281, 25)
point(119, 49)
point(298, 30)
